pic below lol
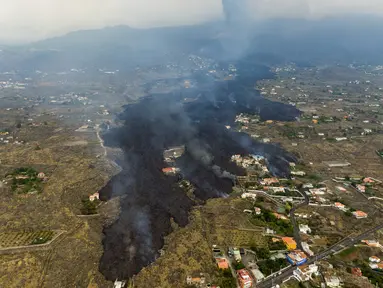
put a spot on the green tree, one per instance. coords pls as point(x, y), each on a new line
point(239, 266)
point(89, 207)
point(348, 213)
point(288, 207)
point(262, 253)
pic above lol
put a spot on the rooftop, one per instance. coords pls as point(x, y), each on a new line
point(288, 240)
point(360, 214)
point(243, 274)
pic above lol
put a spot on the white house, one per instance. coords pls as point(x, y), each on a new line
point(303, 273)
point(318, 191)
point(332, 281)
point(374, 259)
point(304, 229)
point(270, 231)
point(373, 265)
point(249, 195)
point(259, 277)
point(340, 139)
point(298, 173)
point(257, 211)
point(94, 197)
point(307, 249)
point(308, 186)
point(119, 284)
point(287, 199)
point(277, 189)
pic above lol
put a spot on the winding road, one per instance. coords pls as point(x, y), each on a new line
point(344, 243)
point(297, 236)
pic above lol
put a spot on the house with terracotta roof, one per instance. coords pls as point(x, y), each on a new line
point(368, 180)
point(341, 189)
point(197, 281)
point(340, 206)
point(169, 170)
point(359, 214)
point(269, 181)
point(372, 243)
point(290, 243)
point(222, 263)
point(372, 180)
point(356, 271)
point(280, 216)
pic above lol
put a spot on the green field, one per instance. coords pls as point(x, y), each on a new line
point(348, 251)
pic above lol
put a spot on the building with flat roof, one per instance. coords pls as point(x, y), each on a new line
point(304, 272)
point(333, 281)
point(244, 279)
point(258, 275)
point(119, 284)
point(237, 255)
point(374, 259)
point(335, 164)
point(307, 249)
point(297, 257)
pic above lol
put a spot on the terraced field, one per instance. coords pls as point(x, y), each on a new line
point(23, 238)
point(239, 238)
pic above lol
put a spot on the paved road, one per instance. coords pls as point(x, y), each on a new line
point(344, 243)
point(297, 236)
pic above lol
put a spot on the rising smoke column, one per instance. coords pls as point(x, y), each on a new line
point(235, 11)
point(238, 28)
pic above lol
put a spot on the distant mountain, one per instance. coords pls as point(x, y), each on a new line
point(113, 47)
point(344, 39)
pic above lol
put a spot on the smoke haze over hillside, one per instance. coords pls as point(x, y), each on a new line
point(24, 20)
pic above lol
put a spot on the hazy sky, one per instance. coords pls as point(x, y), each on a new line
point(26, 20)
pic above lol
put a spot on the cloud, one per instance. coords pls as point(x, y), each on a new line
point(25, 20)
point(313, 8)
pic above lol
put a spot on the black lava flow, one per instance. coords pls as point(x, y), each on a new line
point(150, 199)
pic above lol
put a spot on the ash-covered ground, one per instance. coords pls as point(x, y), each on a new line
point(149, 198)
